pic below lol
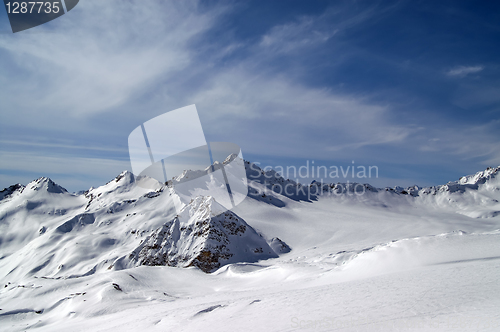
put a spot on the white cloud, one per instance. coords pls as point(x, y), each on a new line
point(105, 58)
point(99, 56)
point(309, 31)
point(462, 141)
point(78, 173)
point(462, 71)
point(44, 145)
point(298, 120)
point(295, 36)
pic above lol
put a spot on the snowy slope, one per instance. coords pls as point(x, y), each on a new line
point(390, 259)
point(48, 232)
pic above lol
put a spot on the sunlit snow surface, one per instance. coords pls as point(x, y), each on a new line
point(382, 261)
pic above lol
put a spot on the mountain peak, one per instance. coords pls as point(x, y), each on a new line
point(10, 190)
point(480, 177)
point(203, 237)
point(202, 207)
point(125, 176)
point(45, 183)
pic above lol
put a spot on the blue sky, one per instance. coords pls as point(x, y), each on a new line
point(412, 87)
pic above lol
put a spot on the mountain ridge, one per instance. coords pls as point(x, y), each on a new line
point(128, 223)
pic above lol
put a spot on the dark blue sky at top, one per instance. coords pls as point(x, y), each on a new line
point(410, 86)
point(406, 48)
point(397, 57)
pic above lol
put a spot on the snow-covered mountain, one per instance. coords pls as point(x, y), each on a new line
point(125, 223)
point(66, 259)
point(201, 237)
point(475, 195)
point(119, 225)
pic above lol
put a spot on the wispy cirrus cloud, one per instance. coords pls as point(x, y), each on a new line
point(73, 173)
point(296, 36)
point(317, 122)
point(102, 56)
point(462, 71)
point(76, 90)
point(308, 31)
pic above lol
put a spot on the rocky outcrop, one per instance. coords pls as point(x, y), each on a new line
point(203, 237)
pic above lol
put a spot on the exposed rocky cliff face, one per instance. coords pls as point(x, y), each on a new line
point(203, 238)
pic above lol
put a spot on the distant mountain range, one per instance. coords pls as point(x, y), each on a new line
point(51, 233)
